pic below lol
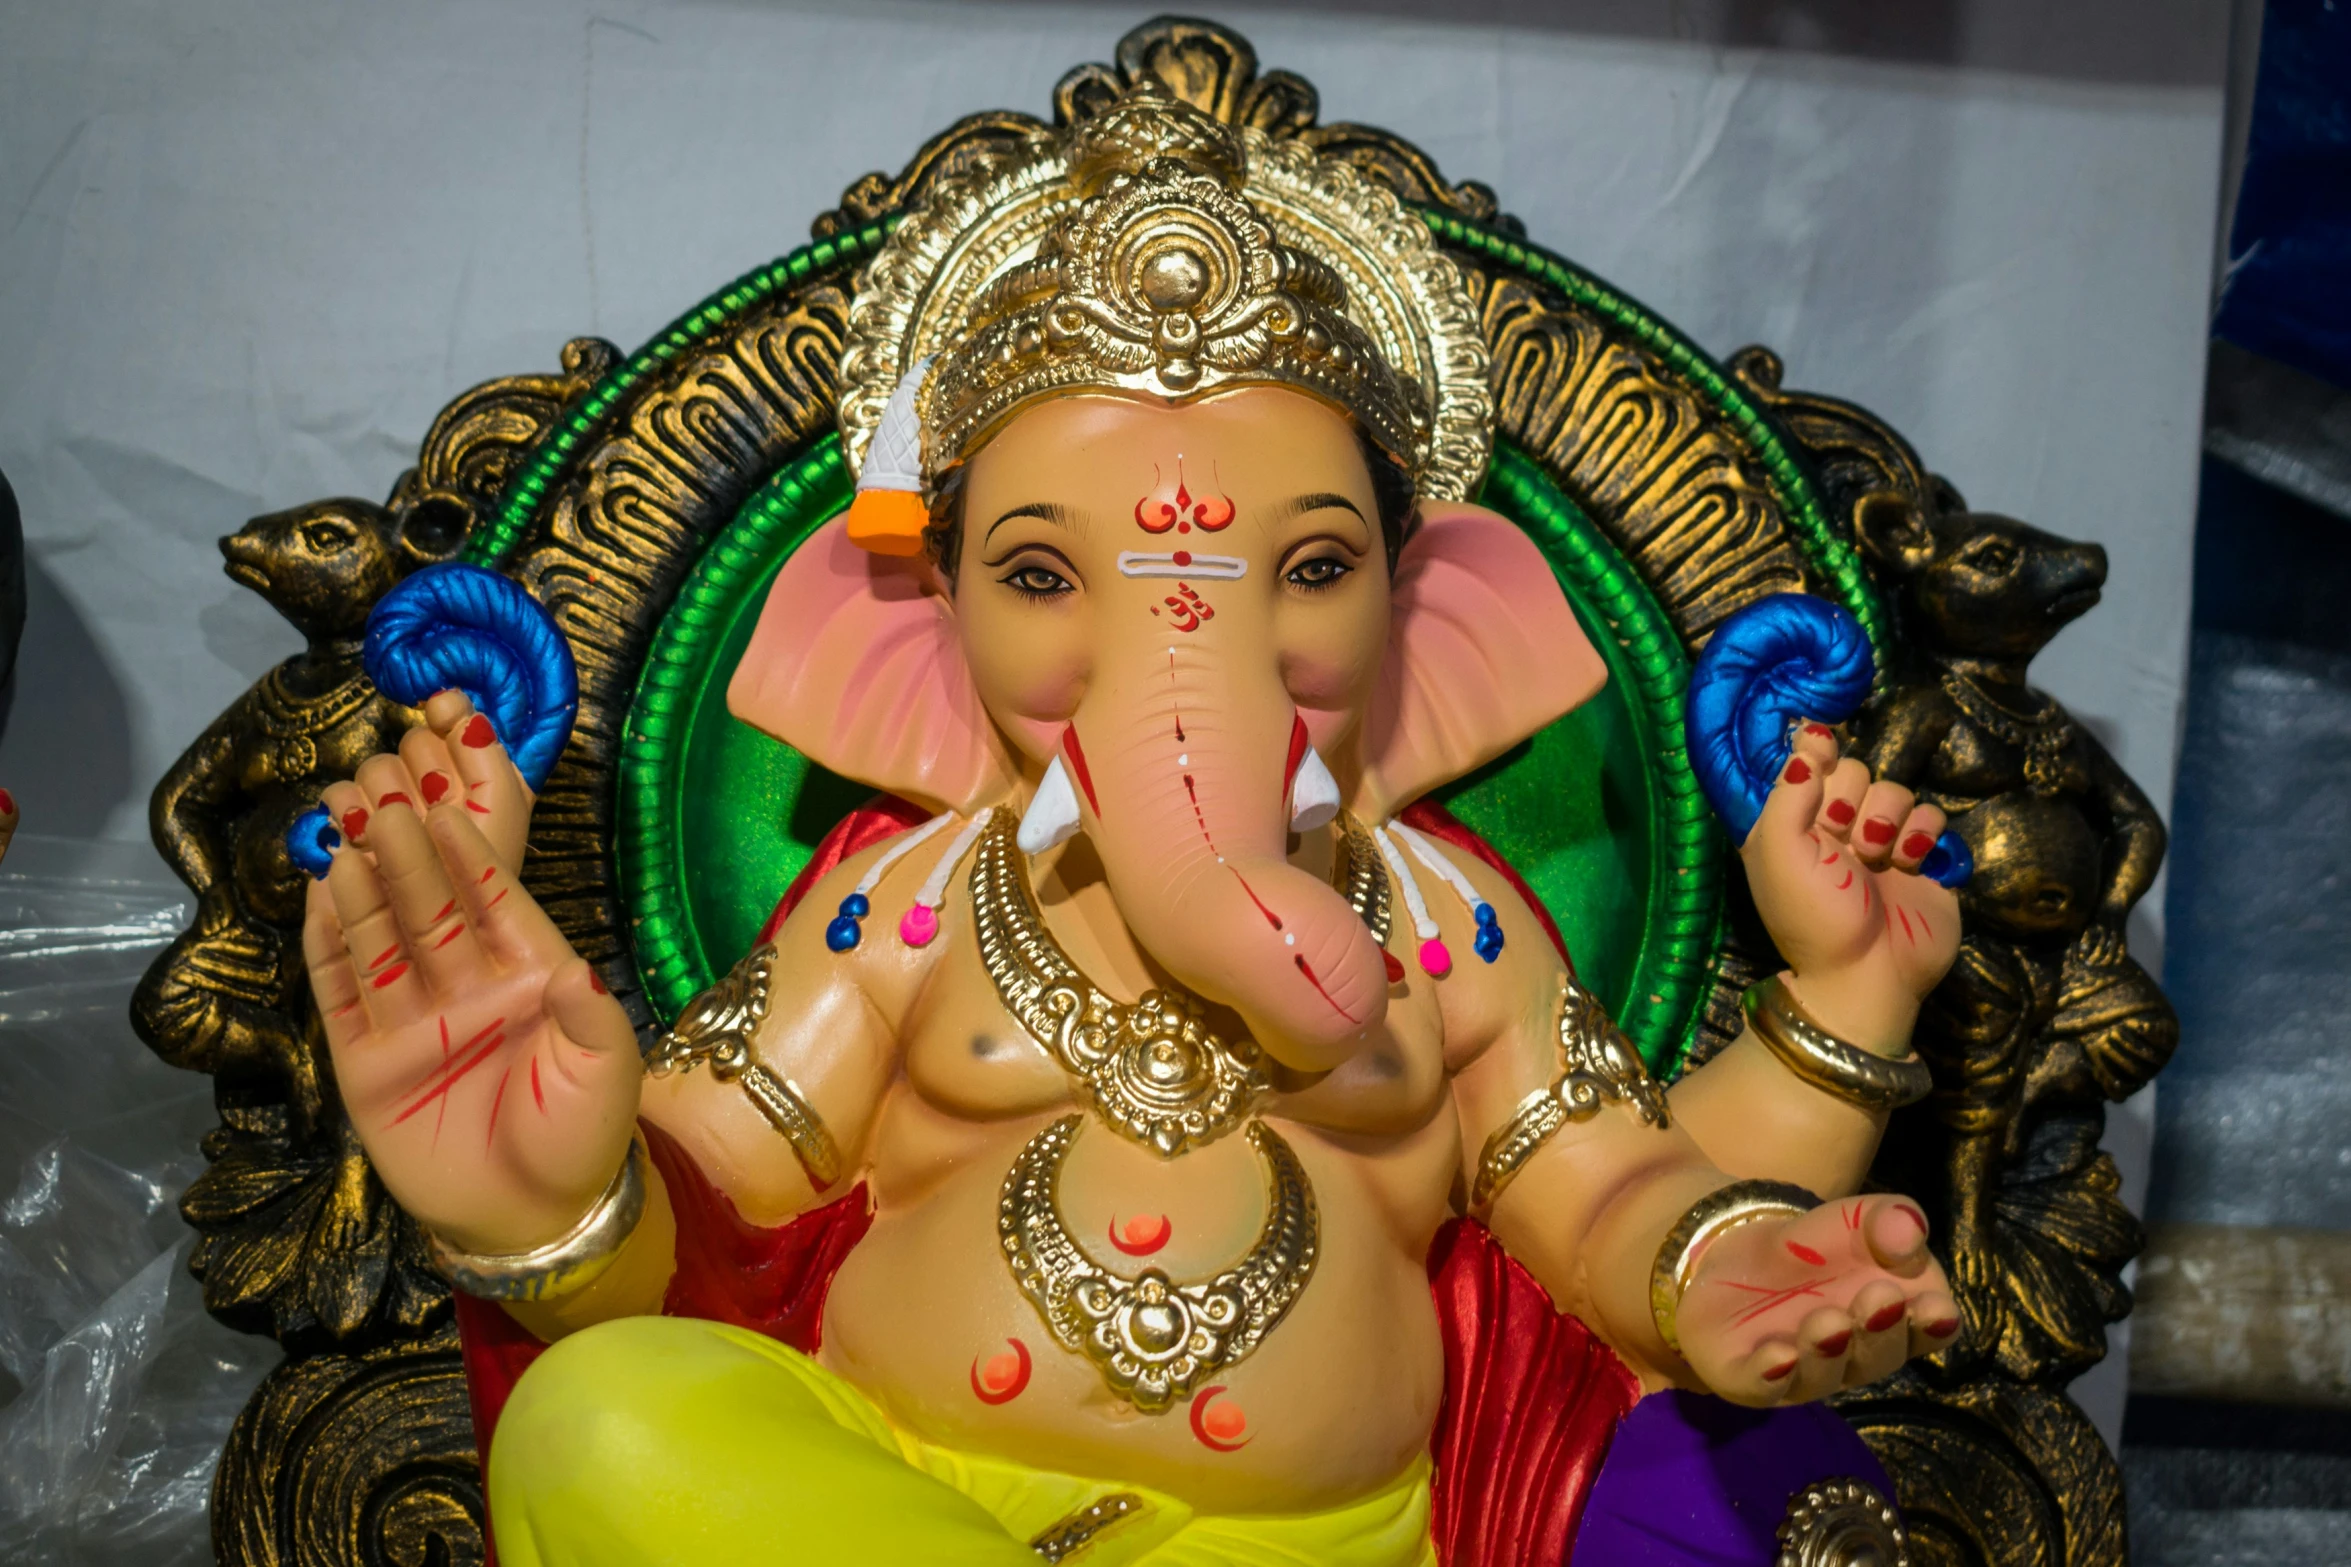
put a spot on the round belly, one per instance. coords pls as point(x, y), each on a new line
point(2037, 866)
point(1337, 1400)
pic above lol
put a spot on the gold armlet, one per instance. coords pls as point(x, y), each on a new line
point(1712, 1216)
point(718, 1026)
point(1597, 1066)
point(1847, 1072)
point(569, 1262)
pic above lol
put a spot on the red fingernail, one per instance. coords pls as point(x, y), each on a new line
point(1885, 1319)
point(1944, 1328)
point(1798, 770)
point(478, 733)
point(354, 823)
point(1840, 812)
point(1878, 830)
point(1913, 1215)
point(394, 798)
point(435, 787)
point(1779, 1373)
point(1916, 845)
point(1823, 730)
point(1835, 1343)
point(7, 803)
point(596, 983)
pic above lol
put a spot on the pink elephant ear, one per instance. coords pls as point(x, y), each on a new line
point(854, 664)
point(1483, 650)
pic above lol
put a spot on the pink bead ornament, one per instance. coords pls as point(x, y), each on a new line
point(918, 925)
point(1435, 960)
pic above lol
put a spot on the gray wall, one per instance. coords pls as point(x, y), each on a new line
point(248, 247)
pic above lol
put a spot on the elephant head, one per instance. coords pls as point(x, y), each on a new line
point(1190, 608)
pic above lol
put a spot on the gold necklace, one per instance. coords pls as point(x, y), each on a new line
point(2041, 735)
point(1154, 1340)
point(1152, 1068)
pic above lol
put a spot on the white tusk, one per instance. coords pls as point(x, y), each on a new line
point(1052, 817)
point(1314, 794)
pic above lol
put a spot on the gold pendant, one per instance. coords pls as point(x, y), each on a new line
point(1155, 1340)
point(1151, 1069)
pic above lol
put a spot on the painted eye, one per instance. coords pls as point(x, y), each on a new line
point(1041, 582)
point(1995, 556)
point(1320, 572)
point(325, 539)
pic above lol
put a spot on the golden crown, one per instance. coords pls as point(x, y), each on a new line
point(1154, 249)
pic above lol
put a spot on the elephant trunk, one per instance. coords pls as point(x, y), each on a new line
point(1184, 771)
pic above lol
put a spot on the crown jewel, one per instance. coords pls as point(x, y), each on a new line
point(1154, 249)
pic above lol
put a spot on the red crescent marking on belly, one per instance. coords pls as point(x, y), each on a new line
point(1147, 1241)
point(1200, 1403)
point(1013, 1389)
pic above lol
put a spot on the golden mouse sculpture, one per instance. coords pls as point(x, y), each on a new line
point(1163, 1047)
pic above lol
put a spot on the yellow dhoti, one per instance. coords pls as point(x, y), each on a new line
point(665, 1440)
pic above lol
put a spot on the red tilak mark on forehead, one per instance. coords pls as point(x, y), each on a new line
point(1183, 511)
point(1298, 744)
point(1077, 764)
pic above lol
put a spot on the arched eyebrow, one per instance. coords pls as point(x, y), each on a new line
point(1045, 511)
point(1322, 501)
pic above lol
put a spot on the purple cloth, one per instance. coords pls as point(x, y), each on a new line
point(1692, 1481)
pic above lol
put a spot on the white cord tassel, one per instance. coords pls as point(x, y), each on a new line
point(846, 930)
point(920, 923)
point(1436, 960)
point(1052, 817)
point(1488, 940)
point(1314, 794)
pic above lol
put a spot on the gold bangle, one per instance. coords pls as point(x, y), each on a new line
point(1711, 1217)
point(718, 1026)
point(570, 1261)
point(1597, 1065)
point(1848, 1072)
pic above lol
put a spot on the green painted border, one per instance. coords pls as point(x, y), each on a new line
point(1824, 549)
point(1674, 974)
point(528, 489)
point(648, 853)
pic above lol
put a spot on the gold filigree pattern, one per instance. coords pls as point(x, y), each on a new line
point(1842, 1523)
point(1152, 1070)
point(1361, 876)
point(1059, 1541)
point(1597, 1066)
point(720, 1026)
point(1661, 471)
point(1155, 248)
point(1155, 1340)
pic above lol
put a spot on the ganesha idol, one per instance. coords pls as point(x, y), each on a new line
point(1169, 1029)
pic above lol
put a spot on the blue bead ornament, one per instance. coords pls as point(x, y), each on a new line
point(1771, 666)
point(1487, 943)
point(844, 933)
point(312, 840)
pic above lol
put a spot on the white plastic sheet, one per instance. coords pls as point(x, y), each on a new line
point(116, 1390)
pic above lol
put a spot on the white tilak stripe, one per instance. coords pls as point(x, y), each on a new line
point(1208, 568)
point(1422, 926)
point(1445, 870)
point(898, 851)
point(934, 887)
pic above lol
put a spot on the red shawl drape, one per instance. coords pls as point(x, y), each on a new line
point(1531, 1397)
